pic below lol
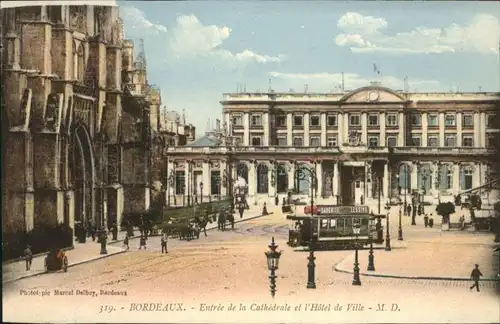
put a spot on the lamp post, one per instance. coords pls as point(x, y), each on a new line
point(356, 281)
point(183, 189)
point(405, 168)
point(371, 257)
point(379, 189)
point(273, 259)
point(438, 181)
point(201, 192)
point(387, 236)
point(400, 227)
point(300, 174)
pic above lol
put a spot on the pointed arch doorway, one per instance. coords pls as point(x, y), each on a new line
point(82, 174)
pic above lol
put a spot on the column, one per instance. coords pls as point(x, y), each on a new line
point(382, 129)
point(434, 179)
point(319, 176)
point(340, 126)
point(170, 185)
point(187, 179)
point(385, 181)
point(368, 179)
point(289, 134)
point(483, 129)
point(335, 181)
point(306, 129)
point(477, 129)
point(345, 131)
point(246, 129)
point(441, 129)
point(224, 184)
point(271, 187)
point(265, 122)
point(425, 130)
point(458, 139)
point(456, 178)
point(291, 176)
point(323, 129)
point(207, 180)
point(252, 180)
point(476, 175)
point(364, 129)
point(414, 176)
point(402, 130)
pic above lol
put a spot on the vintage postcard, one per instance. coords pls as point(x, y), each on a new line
point(250, 162)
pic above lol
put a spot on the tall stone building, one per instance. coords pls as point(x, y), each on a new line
point(75, 134)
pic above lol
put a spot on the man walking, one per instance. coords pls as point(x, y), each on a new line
point(142, 242)
point(28, 257)
point(125, 241)
point(164, 240)
point(475, 275)
point(114, 231)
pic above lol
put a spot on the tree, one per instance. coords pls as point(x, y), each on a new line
point(445, 209)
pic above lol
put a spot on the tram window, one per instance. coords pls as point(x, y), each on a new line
point(364, 221)
point(348, 222)
point(341, 223)
point(324, 223)
point(333, 223)
point(358, 184)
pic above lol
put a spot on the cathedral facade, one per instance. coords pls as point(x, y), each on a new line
point(76, 111)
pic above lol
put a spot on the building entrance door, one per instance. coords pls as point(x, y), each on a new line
point(352, 185)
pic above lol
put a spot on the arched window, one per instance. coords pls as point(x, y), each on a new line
point(466, 178)
point(242, 171)
point(282, 178)
point(262, 178)
point(424, 179)
point(405, 176)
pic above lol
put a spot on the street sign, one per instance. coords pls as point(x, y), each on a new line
point(342, 210)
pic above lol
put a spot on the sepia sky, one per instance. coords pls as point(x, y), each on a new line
point(198, 50)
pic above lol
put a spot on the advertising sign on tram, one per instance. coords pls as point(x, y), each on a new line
point(342, 210)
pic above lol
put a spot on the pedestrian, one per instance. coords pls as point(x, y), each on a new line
point(93, 231)
point(164, 241)
point(142, 242)
point(28, 257)
point(114, 231)
point(475, 275)
point(241, 210)
point(462, 222)
point(408, 210)
point(431, 222)
point(426, 220)
point(125, 241)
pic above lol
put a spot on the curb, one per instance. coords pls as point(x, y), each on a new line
point(336, 268)
point(101, 256)
point(208, 229)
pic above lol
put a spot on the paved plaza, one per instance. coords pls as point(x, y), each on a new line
point(230, 267)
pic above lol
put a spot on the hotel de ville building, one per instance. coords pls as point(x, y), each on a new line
point(363, 144)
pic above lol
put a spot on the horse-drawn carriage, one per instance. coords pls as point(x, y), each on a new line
point(56, 260)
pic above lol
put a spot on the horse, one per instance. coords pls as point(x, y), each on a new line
point(221, 221)
point(230, 218)
point(202, 223)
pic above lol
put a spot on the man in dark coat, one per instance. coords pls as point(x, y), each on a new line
point(28, 257)
point(221, 221)
point(475, 275)
point(241, 210)
point(408, 210)
point(114, 231)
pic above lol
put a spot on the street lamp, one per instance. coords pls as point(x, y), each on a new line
point(387, 236)
point(201, 192)
point(300, 174)
point(371, 257)
point(438, 181)
point(183, 189)
point(400, 227)
point(405, 205)
point(356, 228)
point(273, 259)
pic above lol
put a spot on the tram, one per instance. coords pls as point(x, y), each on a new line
point(331, 227)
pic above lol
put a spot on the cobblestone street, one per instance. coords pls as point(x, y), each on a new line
point(230, 266)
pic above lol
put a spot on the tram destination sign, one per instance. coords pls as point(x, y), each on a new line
point(344, 210)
